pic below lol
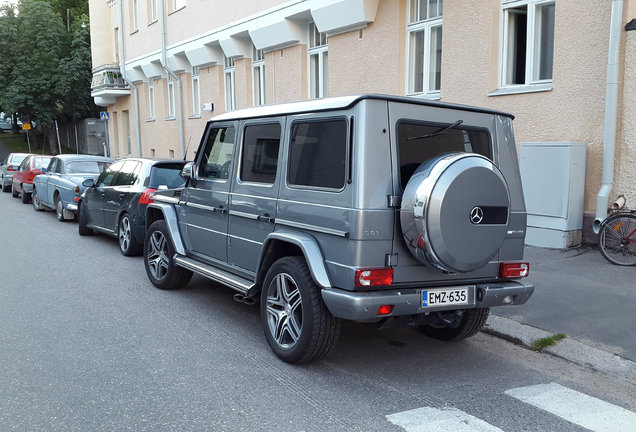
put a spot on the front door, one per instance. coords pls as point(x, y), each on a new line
point(253, 203)
point(117, 192)
point(204, 225)
point(96, 195)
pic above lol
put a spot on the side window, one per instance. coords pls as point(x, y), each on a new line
point(127, 175)
point(318, 154)
point(25, 164)
point(106, 178)
point(216, 162)
point(58, 166)
point(260, 153)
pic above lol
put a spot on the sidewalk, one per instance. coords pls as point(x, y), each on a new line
point(578, 293)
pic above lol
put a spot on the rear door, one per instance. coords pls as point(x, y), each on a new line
point(253, 202)
point(420, 133)
point(204, 225)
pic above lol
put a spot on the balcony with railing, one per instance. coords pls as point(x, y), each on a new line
point(108, 84)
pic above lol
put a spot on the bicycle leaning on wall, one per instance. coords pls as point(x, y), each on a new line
point(617, 238)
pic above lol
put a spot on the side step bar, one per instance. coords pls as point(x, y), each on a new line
point(231, 280)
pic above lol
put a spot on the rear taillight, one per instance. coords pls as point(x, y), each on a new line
point(513, 269)
point(374, 277)
point(11, 168)
point(385, 310)
point(148, 196)
point(77, 193)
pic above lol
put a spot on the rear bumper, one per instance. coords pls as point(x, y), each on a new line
point(362, 306)
point(27, 187)
point(71, 207)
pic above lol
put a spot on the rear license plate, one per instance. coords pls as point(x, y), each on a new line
point(444, 297)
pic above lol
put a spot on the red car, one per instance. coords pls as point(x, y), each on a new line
point(23, 178)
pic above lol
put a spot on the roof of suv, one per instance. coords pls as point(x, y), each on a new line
point(340, 102)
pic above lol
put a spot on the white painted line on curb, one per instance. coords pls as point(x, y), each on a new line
point(429, 419)
point(578, 408)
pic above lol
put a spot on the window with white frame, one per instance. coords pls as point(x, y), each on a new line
point(171, 105)
point(133, 15)
point(196, 92)
point(177, 4)
point(424, 38)
point(152, 11)
point(230, 90)
point(527, 42)
point(151, 99)
point(318, 63)
point(258, 76)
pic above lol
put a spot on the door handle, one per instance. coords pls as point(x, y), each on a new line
point(265, 218)
point(103, 195)
point(122, 195)
point(220, 209)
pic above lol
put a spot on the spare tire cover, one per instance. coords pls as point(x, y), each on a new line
point(455, 212)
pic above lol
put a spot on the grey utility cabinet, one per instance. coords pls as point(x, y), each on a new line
point(553, 178)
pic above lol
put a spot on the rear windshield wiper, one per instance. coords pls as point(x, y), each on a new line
point(437, 132)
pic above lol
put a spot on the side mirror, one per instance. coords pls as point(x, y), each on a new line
point(186, 172)
point(42, 170)
point(88, 183)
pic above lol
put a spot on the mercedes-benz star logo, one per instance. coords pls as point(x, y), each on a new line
point(476, 215)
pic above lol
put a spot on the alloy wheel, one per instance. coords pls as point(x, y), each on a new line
point(124, 233)
point(284, 310)
point(157, 255)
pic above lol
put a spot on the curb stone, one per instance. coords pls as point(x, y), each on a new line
point(568, 349)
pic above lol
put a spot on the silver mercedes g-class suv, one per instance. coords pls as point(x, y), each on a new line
point(369, 208)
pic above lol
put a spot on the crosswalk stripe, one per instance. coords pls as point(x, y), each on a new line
point(578, 408)
point(429, 419)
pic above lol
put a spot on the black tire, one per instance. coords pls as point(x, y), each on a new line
point(35, 201)
point(159, 259)
point(128, 244)
point(82, 221)
point(59, 209)
point(617, 239)
point(5, 187)
point(298, 326)
point(26, 197)
point(471, 322)
point(14, 193)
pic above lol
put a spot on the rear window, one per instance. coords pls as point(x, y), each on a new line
point(17, 159)
point(419, 142)
point(166, 175)
point(40, 162)
point(85, 167)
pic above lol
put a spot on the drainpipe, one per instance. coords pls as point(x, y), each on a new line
point(122, 61)
point(611, 106)
point(174, 77)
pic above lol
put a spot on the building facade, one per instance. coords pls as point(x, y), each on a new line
point(163, 68)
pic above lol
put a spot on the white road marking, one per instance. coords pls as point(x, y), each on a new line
point(429, 419)
point(578, 408)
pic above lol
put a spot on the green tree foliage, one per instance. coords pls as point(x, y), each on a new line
point(45, 69)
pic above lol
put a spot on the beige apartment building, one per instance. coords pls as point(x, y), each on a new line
point(163, 68)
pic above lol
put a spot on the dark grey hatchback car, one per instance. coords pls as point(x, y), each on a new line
point(115, 203)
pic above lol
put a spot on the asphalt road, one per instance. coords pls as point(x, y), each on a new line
point(87, 343)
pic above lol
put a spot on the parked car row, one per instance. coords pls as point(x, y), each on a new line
point(374, 208)
point(105, 195)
